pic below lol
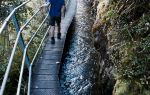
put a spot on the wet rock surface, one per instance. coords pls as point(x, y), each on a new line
point(106, 73)
point(80, 68)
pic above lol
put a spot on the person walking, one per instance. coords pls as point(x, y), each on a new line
point(56, 13)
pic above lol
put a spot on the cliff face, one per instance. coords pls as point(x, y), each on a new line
point(106, 77)
point(122, 36)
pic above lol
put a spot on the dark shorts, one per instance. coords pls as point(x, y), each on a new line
point(54, 19)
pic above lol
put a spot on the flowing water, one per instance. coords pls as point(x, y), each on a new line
point(79, 71)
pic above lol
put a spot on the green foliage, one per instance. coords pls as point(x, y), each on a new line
point(5, 7)
point(7, 39)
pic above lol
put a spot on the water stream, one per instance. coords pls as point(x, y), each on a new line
point(79, 71)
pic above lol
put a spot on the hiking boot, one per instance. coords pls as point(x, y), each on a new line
point(59, 35)
point(52, 40)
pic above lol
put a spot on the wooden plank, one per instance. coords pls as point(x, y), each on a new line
point(45, 77)
point(46, 84)
point(41, 62)
point(49, 67)
point(46, 92)
point(46, 71)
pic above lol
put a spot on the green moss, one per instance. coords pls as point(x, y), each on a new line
point(122, 88)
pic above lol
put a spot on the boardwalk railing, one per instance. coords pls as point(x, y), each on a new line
point(25, 47)
point(5, 79)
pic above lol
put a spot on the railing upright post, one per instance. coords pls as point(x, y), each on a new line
point(21, 41)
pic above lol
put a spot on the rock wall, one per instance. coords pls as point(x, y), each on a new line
point(106, 72)
point(122, 33)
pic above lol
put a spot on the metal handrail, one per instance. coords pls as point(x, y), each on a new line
point(11, 14)
point(12, 54)
point(24, 55)
point(25, 50)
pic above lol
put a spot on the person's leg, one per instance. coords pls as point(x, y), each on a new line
point(58, 21)
point(52, 29)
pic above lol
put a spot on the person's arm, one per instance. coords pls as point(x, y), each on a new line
point(63, 11)
point(46, 4)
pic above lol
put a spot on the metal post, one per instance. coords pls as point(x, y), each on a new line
point(21, 41)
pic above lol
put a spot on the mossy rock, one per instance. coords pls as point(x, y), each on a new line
point(126, 87)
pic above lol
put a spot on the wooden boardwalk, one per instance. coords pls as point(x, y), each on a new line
point(45, 79)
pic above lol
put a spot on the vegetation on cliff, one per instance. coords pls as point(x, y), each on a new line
point(126, 25)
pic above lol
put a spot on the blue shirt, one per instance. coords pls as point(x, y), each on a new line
point(56, 6)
